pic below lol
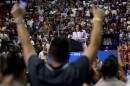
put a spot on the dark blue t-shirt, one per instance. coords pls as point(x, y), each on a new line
point(73, 74)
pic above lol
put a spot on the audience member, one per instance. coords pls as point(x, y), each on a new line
point(48, 19)
point(109, 72)
point(59, 72)
point(12, 69)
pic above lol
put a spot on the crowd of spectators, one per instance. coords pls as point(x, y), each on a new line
point(46, 19)
point(59, 17)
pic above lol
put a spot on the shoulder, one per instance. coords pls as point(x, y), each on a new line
point(115, 83)
point(34, 65)
point(120, 83)
point(74, 33)
point(34, 61)
point(82, 62)
point(101, 84)
point(128, 82)
point(83, 58)
point(84, 31)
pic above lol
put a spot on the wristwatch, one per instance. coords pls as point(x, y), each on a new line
point(19, 21)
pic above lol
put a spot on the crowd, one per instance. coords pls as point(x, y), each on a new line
point(73, 19)
point(59, 18)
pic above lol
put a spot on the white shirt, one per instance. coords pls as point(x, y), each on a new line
point(106, 7)
point(48, 46)
point(100, 6)
point(41, 55)
point(30, 22)
point(128, 22)
point(84, 3)
point(53, 12)
point(78, 34)
point(111, 82)
point(74, 12)
point(128, 27)
point(3, 36)
point(87, 13)
point(80, 8)
point(128, 82)
point(32, 42)
point(114, 12)
point(63, 14)
point(106, 12)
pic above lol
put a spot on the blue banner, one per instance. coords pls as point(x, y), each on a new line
point(109, 42)
point(101, 54)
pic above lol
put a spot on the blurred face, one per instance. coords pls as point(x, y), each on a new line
point(72, 5)
point(77, 27)
point(111, 30)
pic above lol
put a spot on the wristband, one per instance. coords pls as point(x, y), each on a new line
point(97, 19)
point(119, 53)
point(19, 21)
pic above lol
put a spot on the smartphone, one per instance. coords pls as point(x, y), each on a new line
point(22, 4)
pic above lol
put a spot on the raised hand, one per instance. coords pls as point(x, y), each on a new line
point(98, 13)
point(17, 12)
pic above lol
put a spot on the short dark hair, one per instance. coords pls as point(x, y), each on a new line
point(110, 67)
point(11, 63)
point(59, 49)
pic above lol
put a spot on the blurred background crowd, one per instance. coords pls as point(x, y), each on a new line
point(59, 18)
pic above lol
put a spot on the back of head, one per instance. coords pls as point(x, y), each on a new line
point(12, 64)
point(59, 49)
point(110, 67)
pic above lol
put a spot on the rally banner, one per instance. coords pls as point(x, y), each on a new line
point(109, 42)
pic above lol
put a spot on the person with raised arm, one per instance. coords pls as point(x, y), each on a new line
point(59, 72)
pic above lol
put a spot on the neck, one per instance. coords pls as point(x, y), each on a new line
point(56, 64)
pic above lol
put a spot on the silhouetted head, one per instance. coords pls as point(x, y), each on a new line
point(11, 64)
point(59, 49)
point(110, 67)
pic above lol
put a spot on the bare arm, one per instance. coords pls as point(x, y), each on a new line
point(120, 57)
point(28, 48)
point(121, 60)
point(96, 35)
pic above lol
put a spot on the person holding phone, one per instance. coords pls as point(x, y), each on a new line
point(59, 72)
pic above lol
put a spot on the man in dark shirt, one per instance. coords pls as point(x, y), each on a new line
point(59, 72)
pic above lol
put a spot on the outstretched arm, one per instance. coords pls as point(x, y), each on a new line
point(96, 35)
point(28, 48)
point(120, 58)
